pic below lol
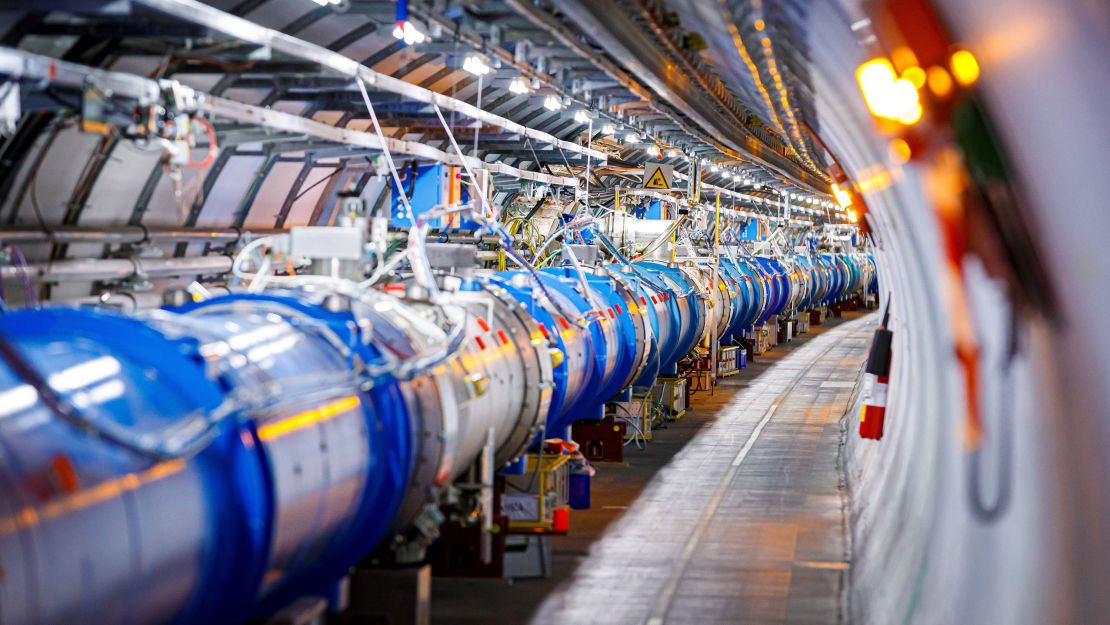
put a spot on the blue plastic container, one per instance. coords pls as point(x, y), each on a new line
point(579, 498)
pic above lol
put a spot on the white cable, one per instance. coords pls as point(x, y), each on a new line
point(386, 152)
point(590, 146)
point(420, 267)
point(486, 209)
point(259, 281)
point(381, 271)
point(488, 218)
point(237, 264)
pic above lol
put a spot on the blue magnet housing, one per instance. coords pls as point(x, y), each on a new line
point(615, 331)
point(291, 472)
point(201, 515)
point(778, 286)
point(585, 354)
point(386, 452)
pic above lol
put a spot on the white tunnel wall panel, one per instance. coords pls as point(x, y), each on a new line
point(326, 31)
point(117, 189)
point(293, 108)
point(248, 96)
point(1044, 79)
point(277, 14)
point(427, 70)
point(327, 117)
point(10, 205)
point(393, 62)
point(363, 125)
point(171, 202)
point(942, 530)
point(222, 204)
point(443, 85)
point(52, 185)
point(365, 47)
point(271, 195)
point(49, 46)
point(905, 483)
point(313, 188)
point(200, 82)
point(921, 555)
point(140, 65)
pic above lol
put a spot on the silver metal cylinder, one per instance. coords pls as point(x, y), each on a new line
point(124, 234)
point(119, 268)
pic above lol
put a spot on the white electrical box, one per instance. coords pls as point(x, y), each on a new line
point(326, 242)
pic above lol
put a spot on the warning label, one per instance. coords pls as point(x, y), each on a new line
point(658, 176)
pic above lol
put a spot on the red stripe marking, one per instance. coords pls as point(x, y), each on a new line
point(501, 336)
point(65, 471)
point(611, 315)
point(480, 342)
point(563, 322)
point(482, 324)
point(543, 329)
point(619, 311)
point(643, 300)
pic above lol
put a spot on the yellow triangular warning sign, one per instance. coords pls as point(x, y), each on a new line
point(657, 181)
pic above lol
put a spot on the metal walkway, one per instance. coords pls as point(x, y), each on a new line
point(745, 524)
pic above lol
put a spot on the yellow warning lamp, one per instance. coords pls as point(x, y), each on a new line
point(964, 66)
point(915, 75)
point(939, 81)
point(842, 196)
point(900, 150)
point(886, 95)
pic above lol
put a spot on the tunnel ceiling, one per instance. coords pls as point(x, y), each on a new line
point(725, 83)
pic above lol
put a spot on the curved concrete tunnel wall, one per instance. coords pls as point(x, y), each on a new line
point(920, 552)
point(921, 555)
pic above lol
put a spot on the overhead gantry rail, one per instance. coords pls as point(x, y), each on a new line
point(45, 70)
point(244, 30)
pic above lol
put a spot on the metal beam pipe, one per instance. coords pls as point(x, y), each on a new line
point(119, 268)
point(123, 234)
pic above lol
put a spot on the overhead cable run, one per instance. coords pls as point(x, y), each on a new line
point(18, 64)
point(198, 13)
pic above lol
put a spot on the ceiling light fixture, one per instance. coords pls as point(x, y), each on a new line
point(518, 87)
point(476, 66)
point(405, 30)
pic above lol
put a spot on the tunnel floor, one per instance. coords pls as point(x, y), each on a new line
point(734, 514)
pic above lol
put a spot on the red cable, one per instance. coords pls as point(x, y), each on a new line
point(212, 148)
